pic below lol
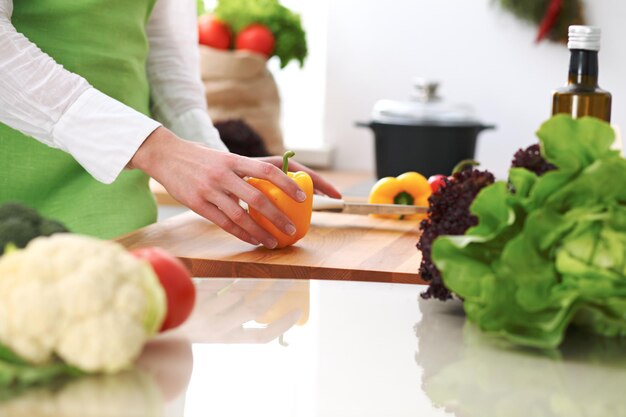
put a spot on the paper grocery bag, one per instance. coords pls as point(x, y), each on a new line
point(239, 86)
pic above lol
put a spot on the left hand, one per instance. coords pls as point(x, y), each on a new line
point(321, 185)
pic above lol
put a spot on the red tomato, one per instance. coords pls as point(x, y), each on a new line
point(256, 38)
point(213, 33)
point(176, 281)
point(437, 182)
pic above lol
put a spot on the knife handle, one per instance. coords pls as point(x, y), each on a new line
point(323, 203)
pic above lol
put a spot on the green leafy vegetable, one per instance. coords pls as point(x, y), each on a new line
point(284, 24)
point(550, 250)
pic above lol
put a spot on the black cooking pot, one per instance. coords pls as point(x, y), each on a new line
point(423, 135)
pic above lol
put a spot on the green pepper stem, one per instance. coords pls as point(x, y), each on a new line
point(464, 164)
point(286, 157)
point(404, 198)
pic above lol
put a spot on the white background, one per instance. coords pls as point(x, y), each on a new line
point(365, 50)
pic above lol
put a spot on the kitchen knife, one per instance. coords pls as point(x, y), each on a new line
point(321, 203)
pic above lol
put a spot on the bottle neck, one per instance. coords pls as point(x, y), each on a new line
point(583, 68)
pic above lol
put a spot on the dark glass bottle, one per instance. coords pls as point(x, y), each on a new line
point(582, 96)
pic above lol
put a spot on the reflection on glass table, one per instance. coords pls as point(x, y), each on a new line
point(160, 375)
point(247, 310)
point(471, 375)
point(289, 348)
point(227, 311)
point(346, 349)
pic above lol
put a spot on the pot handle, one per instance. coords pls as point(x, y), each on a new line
point(486, 127)
point(363, 124)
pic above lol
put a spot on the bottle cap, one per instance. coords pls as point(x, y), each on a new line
point(584, 37)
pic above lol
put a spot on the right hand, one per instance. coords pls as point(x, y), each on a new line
point(211, 183)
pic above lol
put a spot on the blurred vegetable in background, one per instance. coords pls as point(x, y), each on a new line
point(284, 25)
point(256, 38)
point(20, 224)
point(552, 17)
point(240, 138)
point(213, 33)
point(409, 188)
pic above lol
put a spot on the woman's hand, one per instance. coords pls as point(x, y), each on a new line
point(211, 183)
point(321, 185)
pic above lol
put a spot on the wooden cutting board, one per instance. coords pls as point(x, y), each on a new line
point(338, 247)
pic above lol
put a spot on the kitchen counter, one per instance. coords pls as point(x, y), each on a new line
point(327, 348)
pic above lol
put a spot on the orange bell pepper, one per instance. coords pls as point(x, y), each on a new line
point(410, 188)
point(298, 213)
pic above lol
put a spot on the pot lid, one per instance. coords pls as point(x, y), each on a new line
point(424, 107)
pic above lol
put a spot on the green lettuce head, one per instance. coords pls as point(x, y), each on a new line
point(550, 250)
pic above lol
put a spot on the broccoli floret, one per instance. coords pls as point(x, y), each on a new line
point(17, 210)
point(17, 231)
point(49, 227)
point(20, 224)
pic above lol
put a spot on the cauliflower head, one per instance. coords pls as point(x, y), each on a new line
point(84, 300)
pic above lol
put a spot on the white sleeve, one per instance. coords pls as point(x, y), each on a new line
point(41, 99)
point(174, 72)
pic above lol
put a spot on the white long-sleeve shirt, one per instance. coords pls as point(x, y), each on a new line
point(41, 99)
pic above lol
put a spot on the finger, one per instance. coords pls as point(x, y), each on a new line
point(240, 217)
point(267, 171)
point(214, 214)
point(319, 182)
point(255, 198)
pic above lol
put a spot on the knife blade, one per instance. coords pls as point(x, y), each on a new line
point(322, 203)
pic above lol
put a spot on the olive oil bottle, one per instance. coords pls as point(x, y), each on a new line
point(582, 96)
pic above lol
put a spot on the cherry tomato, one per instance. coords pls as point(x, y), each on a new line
point(213, 33)
point(176, 281)
point(256, 38)
point(437, 182)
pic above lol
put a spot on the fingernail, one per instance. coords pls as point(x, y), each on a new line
point(290, 229)
point(271, 243)
point(254, 241)
point(301, 196)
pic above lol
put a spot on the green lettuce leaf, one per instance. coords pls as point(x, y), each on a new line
point(548, 251)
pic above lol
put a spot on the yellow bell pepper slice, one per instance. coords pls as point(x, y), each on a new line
point(298, 213)
point(410, 188)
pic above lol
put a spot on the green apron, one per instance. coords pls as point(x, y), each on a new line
point(105, 42)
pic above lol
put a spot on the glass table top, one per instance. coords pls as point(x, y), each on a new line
point(329, 348)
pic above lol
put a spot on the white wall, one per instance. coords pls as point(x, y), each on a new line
point(301, 89)
point(480, 54)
